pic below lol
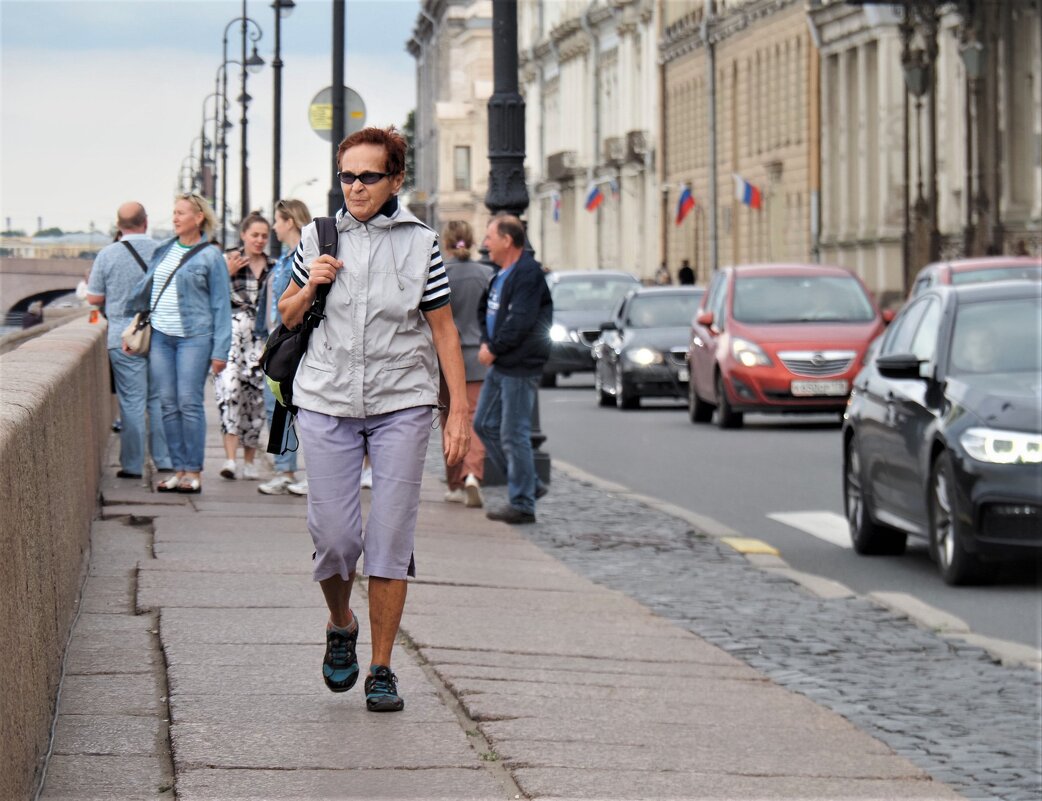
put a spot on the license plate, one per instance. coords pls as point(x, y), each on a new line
point(682, 374)
point(806, 389)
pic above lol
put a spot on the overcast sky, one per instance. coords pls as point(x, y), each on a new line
point(100, 100)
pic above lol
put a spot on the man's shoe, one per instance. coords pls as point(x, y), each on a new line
point(125, 474)
point(455, 496)
point(250, 472)
point(228, 469)
point(340, 665)
point(276, 486)
point(381, 691)
point(540, 490)
point(472, 487)
point(508, 514)
point(298, 488)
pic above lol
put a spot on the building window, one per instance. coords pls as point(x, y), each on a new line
point(461, 167)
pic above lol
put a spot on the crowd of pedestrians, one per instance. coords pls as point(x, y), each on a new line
point(407, 342)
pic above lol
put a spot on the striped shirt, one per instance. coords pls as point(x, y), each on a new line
point(435, 293)
point(166, 314)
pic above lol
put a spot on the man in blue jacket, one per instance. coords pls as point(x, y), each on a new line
point(516, 313)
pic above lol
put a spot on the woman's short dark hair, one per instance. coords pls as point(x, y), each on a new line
point(509, 225)
point(389, 138)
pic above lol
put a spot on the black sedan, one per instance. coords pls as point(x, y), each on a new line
point(642, 352)
point(582, 301)
point(943, 431)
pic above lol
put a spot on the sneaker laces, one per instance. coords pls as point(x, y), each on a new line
point(383, 682)
point(339, 647)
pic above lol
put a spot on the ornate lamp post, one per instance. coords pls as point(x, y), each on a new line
point(253, 63)
point(507, 190)
point(283, 8)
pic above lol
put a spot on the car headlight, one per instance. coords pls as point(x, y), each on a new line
point(749, 354)
point(1002, 447)
point(644, 356)
point(558, 333)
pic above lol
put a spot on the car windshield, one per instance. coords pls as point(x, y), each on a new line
point(596, 293)
point(997, 336)
point(662, 311)
point(1029, 272)
point(801, 299)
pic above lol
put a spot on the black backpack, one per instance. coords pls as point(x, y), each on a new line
point(286, 346)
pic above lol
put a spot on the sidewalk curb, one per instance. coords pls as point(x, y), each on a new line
point(1009, 654)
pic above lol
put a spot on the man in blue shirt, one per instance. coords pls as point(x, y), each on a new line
point(515, 346)
point(112, 279)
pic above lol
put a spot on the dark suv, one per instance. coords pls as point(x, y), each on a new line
point(582, 302)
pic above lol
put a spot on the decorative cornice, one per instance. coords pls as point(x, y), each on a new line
point(686, 34)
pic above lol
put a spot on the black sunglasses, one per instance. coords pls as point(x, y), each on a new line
point(367, 178)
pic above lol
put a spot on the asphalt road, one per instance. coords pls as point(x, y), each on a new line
point(786, 466)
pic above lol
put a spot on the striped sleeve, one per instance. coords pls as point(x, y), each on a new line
point(436, 293)
point(300, 270)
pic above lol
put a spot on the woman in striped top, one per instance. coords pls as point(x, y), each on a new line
point(191, 334)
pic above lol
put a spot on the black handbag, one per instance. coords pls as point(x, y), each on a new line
point(286, 346)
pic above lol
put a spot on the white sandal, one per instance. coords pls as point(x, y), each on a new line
point(168, 484)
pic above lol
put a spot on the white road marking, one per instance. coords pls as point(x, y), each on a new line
point(827, 526)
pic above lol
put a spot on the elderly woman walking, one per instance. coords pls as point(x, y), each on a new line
point(186, 289)
point(369, 381)
point(240, 388)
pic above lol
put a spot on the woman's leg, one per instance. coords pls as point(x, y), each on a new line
point(162, 365)
point(193, 364)
point(251, 400)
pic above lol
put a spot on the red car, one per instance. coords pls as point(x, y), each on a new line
point(976, 271)
point(778, 338)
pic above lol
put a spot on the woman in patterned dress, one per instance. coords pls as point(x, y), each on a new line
point(240, 387)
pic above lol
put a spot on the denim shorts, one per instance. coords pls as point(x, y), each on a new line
point(335, 446)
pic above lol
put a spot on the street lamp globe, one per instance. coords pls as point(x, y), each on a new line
point(284, 7)
point(255, 63)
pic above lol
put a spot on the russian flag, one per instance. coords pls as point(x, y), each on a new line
point(557, 207)
point(685, 203)
point(744, 191)
point(594, 197)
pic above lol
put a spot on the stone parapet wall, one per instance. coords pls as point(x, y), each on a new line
point(55, 412)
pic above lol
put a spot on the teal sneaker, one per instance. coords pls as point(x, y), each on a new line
point(381, 691)
point(340, 665)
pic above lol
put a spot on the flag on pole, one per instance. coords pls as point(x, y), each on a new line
point(557, 207)
point(594, 197)
point(685, 203)
point(614, 189)
point(744, 191)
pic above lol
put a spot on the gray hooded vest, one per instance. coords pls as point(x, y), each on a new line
point(374, 352)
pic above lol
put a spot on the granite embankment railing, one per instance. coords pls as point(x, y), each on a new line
point(55, 411)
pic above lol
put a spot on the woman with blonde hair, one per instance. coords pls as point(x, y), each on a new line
point(186, 290)
point(290, 218)
point(468, 281)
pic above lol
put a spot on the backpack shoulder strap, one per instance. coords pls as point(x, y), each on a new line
point(135, 254)
point(328, 238)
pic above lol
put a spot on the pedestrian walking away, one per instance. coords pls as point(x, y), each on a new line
point(369, 383)
point(468, 281)
point(239, 388)
point(685, 275)
point(116, 272)
point(191, 333)
point(517, 312)
point(290, 218)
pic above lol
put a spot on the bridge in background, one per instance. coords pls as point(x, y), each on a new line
point(23, 281)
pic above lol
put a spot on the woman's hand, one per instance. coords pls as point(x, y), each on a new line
point(456, 436)
point(323, 270)
point(235, 261)
point(218, 365)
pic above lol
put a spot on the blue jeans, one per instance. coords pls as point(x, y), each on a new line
point(284, 462)
point(504, 423)
point(179, 366)
point(132, 390)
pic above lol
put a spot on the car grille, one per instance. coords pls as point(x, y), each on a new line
point(1002, 521)
point(817, 362)
point(678, 356)
point(588, 336)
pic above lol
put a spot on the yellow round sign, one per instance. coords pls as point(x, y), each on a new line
point(320, 113)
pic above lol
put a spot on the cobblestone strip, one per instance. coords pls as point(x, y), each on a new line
point(945, 705)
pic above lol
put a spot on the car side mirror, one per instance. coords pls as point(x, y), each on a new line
point(899, 365)
point(705, 319)
point(888, 316)
point(609, 326)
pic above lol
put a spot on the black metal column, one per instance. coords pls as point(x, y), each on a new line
point(336, 194)
point(274, 246)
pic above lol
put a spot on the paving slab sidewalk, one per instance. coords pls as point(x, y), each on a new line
point(193, 672)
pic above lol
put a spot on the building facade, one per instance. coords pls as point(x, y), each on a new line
point(588, 74)
point(910, 174)
point(452, 45)
point(739, 77)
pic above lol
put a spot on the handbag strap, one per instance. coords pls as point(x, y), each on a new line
point(136, 255)
point(173, 272)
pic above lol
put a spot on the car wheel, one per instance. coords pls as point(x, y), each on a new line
point(956, 564)
point(726, 416)
point(697, 409)
point(548, 380)
point(625, 398)
point(604, 397)
point(868, 537)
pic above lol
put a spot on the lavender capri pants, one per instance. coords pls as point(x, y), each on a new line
point(397, 443)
